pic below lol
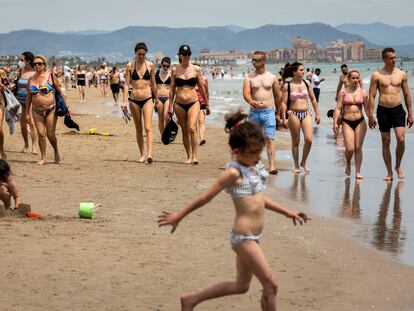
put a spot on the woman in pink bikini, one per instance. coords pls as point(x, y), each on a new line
point(295, 102)
point(349, 109)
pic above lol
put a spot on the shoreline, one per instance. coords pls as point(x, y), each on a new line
point(121, 260)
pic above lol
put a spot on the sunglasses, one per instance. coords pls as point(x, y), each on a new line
point(141, 54)
point(256, 60)
point(186, 54)
point(38, 64)
point(166, 66)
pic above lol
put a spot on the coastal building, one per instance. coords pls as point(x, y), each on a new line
point(8, 60)
point(232, 57)
point(280, 55)
point(304, 50)
point(344, 51)
point(372, 54)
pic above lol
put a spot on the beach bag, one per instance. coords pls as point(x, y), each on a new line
point(12, 103)
point(61, 108)
point(170, 132)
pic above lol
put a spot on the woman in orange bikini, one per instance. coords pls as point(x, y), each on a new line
point(350, 103)
point(41, 100)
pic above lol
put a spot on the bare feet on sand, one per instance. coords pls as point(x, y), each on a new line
point(41, 162)
point(400, 173)
point(188, 161)
point(306, 168)
point(388, 177)
point(57, 158)
point(348, 170)
point(25, 149)
point(141, 159)
point(358, 176)
point(186, 304)
point(296, 170)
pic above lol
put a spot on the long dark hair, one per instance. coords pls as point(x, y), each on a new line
point(242, 132)
point(28, 56)
point(290, 69)
point(5, 171)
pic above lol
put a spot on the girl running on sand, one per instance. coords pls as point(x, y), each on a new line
point(244, 179)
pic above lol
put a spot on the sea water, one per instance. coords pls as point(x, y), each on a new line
point(382, 213)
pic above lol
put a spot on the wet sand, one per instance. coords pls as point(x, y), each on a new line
point(121, 260)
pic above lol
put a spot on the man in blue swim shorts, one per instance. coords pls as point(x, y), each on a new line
point(262, 92)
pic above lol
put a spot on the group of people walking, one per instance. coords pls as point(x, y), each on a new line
point(183, 90)
point(34, 88)
point(180, 90)
point(289, 101)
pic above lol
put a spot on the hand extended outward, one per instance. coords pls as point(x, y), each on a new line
point(169, 218)
point(298, 216)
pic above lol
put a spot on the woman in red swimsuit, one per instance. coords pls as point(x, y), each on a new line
point(349, 108)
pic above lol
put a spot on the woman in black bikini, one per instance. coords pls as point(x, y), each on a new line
point(184, 100)
point(141, 75)
point(163, 79)
point(41, 87)
point(354, 128)
point(81, 82)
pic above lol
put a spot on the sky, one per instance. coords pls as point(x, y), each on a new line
point(78, 15)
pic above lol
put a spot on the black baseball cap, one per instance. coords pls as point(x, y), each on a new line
point(184, 49)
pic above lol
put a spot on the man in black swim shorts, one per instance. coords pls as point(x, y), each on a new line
point(389, 81)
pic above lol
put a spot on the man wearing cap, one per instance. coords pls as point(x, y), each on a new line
point(262, 92)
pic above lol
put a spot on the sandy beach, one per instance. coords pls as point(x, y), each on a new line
point(121, 260)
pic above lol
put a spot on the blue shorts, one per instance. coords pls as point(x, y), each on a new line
point(266, 119)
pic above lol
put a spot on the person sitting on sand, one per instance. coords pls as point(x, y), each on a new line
point(41, 102)
point(295, 102)
point(140, 74)
point(262, 92)
point(349, 111)
point(8, 188)
point(184, 100)
point(244, 179)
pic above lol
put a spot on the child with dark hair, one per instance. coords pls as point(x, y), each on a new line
point(244, 179)
point(8, 188)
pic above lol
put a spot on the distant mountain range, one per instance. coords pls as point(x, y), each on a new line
point(119, 44)
point(381, 34)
